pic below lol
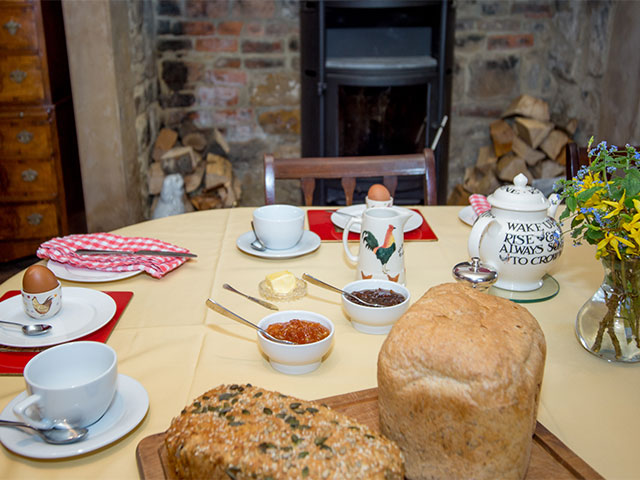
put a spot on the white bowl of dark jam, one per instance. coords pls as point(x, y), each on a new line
point(393, 298)
point(311, 333)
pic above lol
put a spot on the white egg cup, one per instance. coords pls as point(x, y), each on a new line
point(44, 304)
point(378, 203)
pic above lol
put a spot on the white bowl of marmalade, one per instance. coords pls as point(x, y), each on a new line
point(311, 333)
point(392, 297)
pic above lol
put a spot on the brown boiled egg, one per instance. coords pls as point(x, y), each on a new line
point(378, 192)
point(38, 279)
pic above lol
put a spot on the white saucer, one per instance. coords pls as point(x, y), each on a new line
point(127, 410)
point(83, 311)
point(77, 274)
point(356, 210)
point(309, 242)
point(467, 215)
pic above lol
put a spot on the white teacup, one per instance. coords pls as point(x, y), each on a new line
point(279, 227)
point(73, 382)
point(378, 203)
point(42, 305)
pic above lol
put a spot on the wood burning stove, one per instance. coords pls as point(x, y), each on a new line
point(376, 79)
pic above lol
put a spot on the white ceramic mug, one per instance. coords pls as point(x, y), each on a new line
point(381, 253)
point(279, 227)
point(73, 382)
point(42, 305)
point(378, 203)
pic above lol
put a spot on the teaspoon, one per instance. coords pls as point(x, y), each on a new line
point(320, 283)
point(228, 313)
point(60, 433)
point(257, 243)
point(32, 329)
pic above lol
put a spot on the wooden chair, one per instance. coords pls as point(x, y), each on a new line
point(576, 158)
point(348, 169)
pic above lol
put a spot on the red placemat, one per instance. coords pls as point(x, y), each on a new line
point(321, 224)
point(13, 362)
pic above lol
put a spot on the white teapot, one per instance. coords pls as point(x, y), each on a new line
point(519, 236)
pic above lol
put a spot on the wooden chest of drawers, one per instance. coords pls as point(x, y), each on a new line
point(40, 184)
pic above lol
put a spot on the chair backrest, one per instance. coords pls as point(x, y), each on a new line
point(576, 158)
point(348, 169)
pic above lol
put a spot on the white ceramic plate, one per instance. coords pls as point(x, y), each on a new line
point(309, 242)
point(76, 274)
point(127, 410)
point(356, 210)
point(83, 311)
point(467, 215)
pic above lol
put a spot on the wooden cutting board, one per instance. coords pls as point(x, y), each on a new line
point(550, 458)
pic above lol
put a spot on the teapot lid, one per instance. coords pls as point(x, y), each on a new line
point(519, 196)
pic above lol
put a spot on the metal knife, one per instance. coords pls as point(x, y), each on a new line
point(270, 306)
point(159, 253)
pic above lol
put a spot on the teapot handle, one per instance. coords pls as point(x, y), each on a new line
point(345, 238)
point(477, 231)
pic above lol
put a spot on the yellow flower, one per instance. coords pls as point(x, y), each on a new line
point(633, 224)
point(617, 206)
point(611, 240)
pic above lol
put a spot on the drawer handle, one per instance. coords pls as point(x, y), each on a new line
point(35, 219)
point(24, 136)
point(29, 175)
point(18, 76)
point(12, 27)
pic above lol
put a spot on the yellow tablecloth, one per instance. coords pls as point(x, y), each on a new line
point(177, 348)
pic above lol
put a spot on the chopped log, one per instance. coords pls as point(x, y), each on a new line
point(532, 131)
point(218, 172)
point(531, 156)
point(458, 196)
point(206, 201)
point(571, 127)
point(188, 205)
point(502, 136)
point(164, 142)
point(182, 160)
point(528, 106)
point(480, 180)
point(196, 140)
point(562, 157)
point(193, 180)
point(220, 140)
point(554, 143)
point(548, 169)
point(156, 177)
point(485, 157)
point(511, 165)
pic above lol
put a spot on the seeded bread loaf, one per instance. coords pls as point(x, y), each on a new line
point(459, 379)
point(242, 432)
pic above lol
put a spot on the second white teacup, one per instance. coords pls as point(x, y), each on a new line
point(73, 382)
point(279, 227)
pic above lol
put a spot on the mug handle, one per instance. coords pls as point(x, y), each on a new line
point(345, 238)
point(477, 231)
point(20, 410)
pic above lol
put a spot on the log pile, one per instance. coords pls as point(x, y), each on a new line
point(524, 140)
point(201, 157)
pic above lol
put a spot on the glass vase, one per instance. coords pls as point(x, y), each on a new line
point(607, 324)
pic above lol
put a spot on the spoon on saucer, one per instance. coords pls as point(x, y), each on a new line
point(320, 283)
point(60, 433)
point(234, 316)
point(32, 329)
point(257, 243)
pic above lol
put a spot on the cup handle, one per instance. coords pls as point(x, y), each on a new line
point(20, 410)
point(345, 238)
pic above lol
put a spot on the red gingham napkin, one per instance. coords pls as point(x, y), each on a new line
point(62, 250)
point(479, 203)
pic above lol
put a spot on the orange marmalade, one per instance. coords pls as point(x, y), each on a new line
point(298, 331)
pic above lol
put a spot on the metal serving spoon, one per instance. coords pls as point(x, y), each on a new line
point(60, 434)
point(234, 316)
point(257, 243)
point(320, 283)
point(32, 329)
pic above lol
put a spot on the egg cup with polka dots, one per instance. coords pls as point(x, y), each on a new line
point(44, 304)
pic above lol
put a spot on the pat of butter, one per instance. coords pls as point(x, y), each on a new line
point(282, 282)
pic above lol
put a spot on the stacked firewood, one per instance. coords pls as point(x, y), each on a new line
point(201, 157)
point(524, 140)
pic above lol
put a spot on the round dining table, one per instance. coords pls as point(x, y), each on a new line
point(169, 341)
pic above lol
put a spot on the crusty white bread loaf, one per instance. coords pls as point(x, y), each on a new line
point(246, 432)
point(459, 379)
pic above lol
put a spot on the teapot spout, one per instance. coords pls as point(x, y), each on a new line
point(554, 201)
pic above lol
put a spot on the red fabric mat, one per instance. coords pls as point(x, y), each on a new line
point(321, 224)
point(13, 362)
